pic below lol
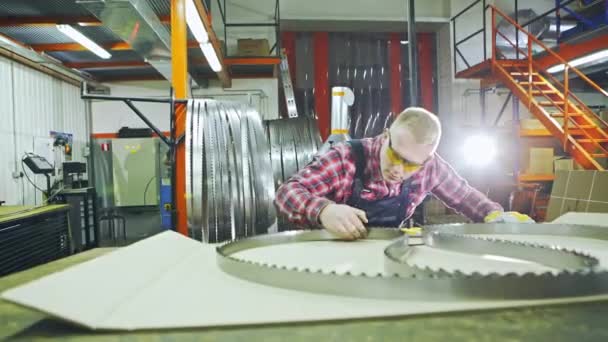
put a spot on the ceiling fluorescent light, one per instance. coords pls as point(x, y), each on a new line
point(562, 27)
point(403, 42)
point(84, 41)
point(580, 61)
point(193, 19)
point(211, 56)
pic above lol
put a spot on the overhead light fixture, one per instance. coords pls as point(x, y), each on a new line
point(580, 61)
point(193, 19)
point(211, 56)
point(84, 41)
point(404, 42)
point(562, 27)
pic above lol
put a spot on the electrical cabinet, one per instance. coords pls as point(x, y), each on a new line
point(135, 171)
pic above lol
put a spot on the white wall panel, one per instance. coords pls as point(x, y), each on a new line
point(8, 186)
point(32, 105)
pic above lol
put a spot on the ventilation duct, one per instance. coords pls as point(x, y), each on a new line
point(135, 22)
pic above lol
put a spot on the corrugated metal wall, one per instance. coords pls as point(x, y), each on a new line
point(31, 105)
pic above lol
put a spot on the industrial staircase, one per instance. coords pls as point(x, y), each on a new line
point(583, 134)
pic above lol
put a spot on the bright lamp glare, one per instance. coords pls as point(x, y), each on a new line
point(479, 150)
point(195, 23)
point(84, 41)
point(580, 61)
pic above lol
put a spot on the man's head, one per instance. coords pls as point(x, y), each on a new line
point(411, 140)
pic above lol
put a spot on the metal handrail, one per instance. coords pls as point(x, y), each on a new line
point(566, 119)
point(482, 30)
point(551, 52)
point(555, 81)
point(531, 63)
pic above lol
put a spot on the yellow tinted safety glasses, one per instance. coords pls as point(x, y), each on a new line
point(395, 159)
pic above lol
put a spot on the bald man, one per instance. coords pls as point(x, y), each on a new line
point(380, 181)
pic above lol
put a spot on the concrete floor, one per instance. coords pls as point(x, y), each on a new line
point(140, 224)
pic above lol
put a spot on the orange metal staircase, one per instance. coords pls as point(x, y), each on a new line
point(583, 134)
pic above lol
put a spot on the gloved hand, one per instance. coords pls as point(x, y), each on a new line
point(344, 221)
point(507, 217)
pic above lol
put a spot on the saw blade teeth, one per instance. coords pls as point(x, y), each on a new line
point(510, 284)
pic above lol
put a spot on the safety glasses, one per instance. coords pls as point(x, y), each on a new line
point(395, 159)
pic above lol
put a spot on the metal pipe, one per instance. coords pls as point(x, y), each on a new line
point(463, 59)
point(483, 14)
point(502, 109)
point(412, 52)
point(471, 36)
point(222, 14)
point(86, 96)
point(454, 43)
point(516, 30)
point(148, 122)
point(172, 147)
point(278, 29)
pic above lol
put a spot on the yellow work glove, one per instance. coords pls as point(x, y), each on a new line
point(414, 231)
point(507, 217)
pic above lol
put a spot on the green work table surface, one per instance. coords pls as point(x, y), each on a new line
point(9, 213)
point(582, 322)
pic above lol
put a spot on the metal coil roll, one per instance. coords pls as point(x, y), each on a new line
point(229, 181)
point(293, 144)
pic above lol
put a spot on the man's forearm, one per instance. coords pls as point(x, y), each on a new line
point(298, 204)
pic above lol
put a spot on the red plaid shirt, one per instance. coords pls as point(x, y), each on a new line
point(329, 179)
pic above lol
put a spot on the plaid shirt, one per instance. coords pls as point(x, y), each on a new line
point(329, 179)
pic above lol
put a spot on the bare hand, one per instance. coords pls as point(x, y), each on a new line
point(344, 221)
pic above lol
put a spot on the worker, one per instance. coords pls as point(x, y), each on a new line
point(379, 182)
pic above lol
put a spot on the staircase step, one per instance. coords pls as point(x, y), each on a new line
point(537, 83)
point(548, 92)
point(599, 140)
point(561, 115)
point(517, 73)
point(550, 104)
point(599, 155)
point(574, 127)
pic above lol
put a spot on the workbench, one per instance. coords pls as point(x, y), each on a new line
point(31, 236)
point(583, 322)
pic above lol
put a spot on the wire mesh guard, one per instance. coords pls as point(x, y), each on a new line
point(228, 172)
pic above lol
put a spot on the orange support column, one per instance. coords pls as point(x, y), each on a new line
point(179, 68)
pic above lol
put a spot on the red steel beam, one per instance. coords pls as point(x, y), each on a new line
point(104, 65)
point(38, 21)
point(288, 43)
point(117, 46)
point(396, 85)
point(321, 71)
point(571, 51)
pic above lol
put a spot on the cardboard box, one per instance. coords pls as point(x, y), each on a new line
point(540, 161)
point(578, 191)
point(563, 164)
point(253, 47)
